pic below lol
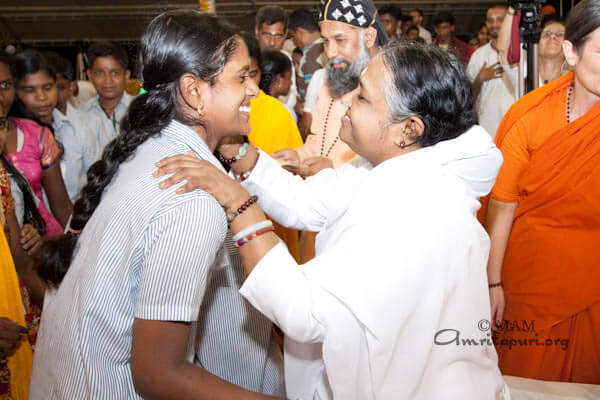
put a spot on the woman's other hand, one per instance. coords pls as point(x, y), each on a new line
point(288, 155)
point(314, 165)
point(200, 174)
point(11, 334)
point(31, 240)
point(497, 304)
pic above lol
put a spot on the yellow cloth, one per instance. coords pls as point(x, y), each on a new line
point(272, 128)
point(11, 307)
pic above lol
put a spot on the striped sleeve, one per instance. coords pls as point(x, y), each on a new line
point(182, 242)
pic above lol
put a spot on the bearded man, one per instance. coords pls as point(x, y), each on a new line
point(352, 33)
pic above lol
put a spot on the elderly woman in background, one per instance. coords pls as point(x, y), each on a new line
point(551, 61)
point(402, 258)
point(544, 220)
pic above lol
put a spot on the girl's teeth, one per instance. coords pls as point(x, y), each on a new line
point(245, 109)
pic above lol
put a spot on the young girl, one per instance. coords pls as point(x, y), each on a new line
point(37, 98)
point(276, 73)
point(31, 148)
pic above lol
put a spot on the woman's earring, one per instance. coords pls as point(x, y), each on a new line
point(402, 144)
point(200, 108)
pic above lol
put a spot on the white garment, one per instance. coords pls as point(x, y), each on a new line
point(111, 124)
point(85, 91)
point(78, 132)
point(424, 33)
point(150, 254)
point(400, 256)
point(288, 46)
point(289, 101)
point(313, 89)
point(496, 95)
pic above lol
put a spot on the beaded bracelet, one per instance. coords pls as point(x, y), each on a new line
point(244, 175)
point(251, 229)
point(251, 236)
point(497, 284)
point(241, 209)
point(241, 153)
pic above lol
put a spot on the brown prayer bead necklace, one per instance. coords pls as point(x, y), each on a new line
point(323, 154)
point(569, 94)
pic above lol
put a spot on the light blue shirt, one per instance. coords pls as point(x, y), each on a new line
point(111, 123)
point(78, 133)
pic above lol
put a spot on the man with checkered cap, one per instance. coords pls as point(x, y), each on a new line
point(352, 33)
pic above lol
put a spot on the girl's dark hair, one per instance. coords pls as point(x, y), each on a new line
point(274, 63)
point(27, 62)
point(174, 43)
point(430, 83)
point(31, 213)
point(583, 19)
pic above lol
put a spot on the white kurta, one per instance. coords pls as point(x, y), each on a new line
point(400, 257)
point(496, 95)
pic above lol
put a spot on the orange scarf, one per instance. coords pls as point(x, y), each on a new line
point(551, 265)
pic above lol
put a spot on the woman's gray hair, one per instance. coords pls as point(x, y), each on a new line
point(397, 103)
point(429, 83)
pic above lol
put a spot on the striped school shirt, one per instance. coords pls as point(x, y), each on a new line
point(151, 254)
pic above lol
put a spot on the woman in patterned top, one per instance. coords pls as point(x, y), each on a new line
point(33, 150)
point(18, 315)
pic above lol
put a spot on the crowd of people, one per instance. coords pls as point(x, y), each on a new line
point(332, 206)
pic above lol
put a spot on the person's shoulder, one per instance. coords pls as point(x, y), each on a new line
point(460, 43)
point(320, 74)
point(287, 54)
point(28, 126)
point(127, 98)
point(483, 51)
point(89, 105)
point(477, 59)
point(268, 103)
point(87, 116)
point(316, 49)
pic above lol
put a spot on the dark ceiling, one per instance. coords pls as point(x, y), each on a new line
point(62, 22)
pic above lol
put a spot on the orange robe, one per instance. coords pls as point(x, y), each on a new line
point(551, 267)
point(272, 128)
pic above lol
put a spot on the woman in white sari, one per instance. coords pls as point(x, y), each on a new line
point(398, 291)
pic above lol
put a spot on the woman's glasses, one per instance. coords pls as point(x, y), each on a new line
point(548, 34)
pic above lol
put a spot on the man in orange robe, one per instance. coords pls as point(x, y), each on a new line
point(551, 267)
